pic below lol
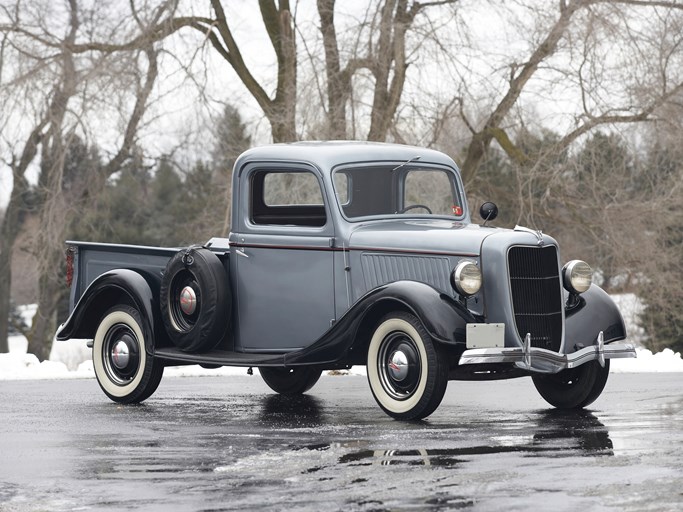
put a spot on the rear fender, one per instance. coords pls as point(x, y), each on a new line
point(595, 311)
point(119, 286)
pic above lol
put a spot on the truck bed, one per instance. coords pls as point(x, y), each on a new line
point(90, 260)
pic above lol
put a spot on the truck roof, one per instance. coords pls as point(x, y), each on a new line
point(328, 154)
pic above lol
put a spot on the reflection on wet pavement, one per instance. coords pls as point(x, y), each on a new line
point(273, 444)
point(198, 450)
point(557, 433)
point(291, 411)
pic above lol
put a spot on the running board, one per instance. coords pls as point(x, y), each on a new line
point(220, 358)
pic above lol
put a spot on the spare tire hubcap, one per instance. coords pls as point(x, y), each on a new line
point(188, 300)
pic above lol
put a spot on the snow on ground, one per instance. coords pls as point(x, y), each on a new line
point(64, 363)
point(664, 361)
point(71, 359)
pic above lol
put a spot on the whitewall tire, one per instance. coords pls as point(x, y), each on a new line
point(124, 370)
point(407, 372)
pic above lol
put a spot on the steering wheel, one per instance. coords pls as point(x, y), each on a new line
point(413, 206)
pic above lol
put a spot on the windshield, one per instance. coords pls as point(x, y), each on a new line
point(390, 190)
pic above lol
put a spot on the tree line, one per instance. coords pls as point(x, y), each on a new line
point(573, 128)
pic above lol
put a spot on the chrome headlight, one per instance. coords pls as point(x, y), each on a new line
point(466, 278)
point(577, 276)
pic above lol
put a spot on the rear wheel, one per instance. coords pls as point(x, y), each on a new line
point(407, 372)
point(574, 388)
point(124, 370)
point(290, 381)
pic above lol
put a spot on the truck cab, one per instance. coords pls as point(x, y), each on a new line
point(293, 222)
point(349, 253)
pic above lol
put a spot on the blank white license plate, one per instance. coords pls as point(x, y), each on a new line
point(485, 335)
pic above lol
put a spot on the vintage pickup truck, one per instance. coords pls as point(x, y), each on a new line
point(341, 254)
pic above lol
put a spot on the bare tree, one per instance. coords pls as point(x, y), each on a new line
point(215, 28)
point(383, 36)
point(69, 100)
point(381, 47)
point(608, 86)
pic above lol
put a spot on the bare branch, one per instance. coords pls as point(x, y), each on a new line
point(595, 121)
point(141, 100)
point(645, 3)
point(546, 48)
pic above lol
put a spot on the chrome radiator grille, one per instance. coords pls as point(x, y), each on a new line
point(536, 295)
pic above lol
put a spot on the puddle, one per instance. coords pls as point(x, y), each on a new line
point(556, 434)
point(419, 457)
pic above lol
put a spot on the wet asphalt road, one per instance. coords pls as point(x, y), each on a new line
point(227, 443)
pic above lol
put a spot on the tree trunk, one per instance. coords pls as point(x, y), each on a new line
point(11, 225)
point(475, 154)
point(279, 23)
point(283, 124)
point(390, 66)
point(281, 111)
point(5, 286)
point(338, 82)
point(51, 291)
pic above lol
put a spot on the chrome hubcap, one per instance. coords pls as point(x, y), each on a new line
point(398, 366)
point(188, 300)
point(120, 355)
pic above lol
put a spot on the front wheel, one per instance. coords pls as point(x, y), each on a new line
point(290, 381)
point(124, 370)
point(407, 372)
point(574, 388)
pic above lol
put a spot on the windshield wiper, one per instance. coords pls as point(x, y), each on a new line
point(414, 159)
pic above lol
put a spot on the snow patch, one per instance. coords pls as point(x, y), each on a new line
point(72, 359)
point(664, 361)
point(23, 366)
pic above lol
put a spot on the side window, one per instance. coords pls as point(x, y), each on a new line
point(287, 198)
point(342, 188)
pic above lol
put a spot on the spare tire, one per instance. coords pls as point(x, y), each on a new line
point(195, 298)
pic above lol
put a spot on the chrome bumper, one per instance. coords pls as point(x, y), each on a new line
point(540, 360)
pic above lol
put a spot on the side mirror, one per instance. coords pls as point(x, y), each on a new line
point(488, 211)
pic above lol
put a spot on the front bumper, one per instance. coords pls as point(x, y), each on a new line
point(540, 360)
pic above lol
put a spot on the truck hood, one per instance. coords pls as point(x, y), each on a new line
point(429, 235)
point(438, 236)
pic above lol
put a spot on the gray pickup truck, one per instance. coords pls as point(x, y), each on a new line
point(342, 254)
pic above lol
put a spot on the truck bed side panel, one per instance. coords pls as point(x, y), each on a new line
point(92, 260)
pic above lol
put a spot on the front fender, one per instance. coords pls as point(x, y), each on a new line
point(443, 318)
point(119, 286)
point(594, 312)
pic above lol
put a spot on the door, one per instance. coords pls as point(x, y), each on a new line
point(283, 259)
